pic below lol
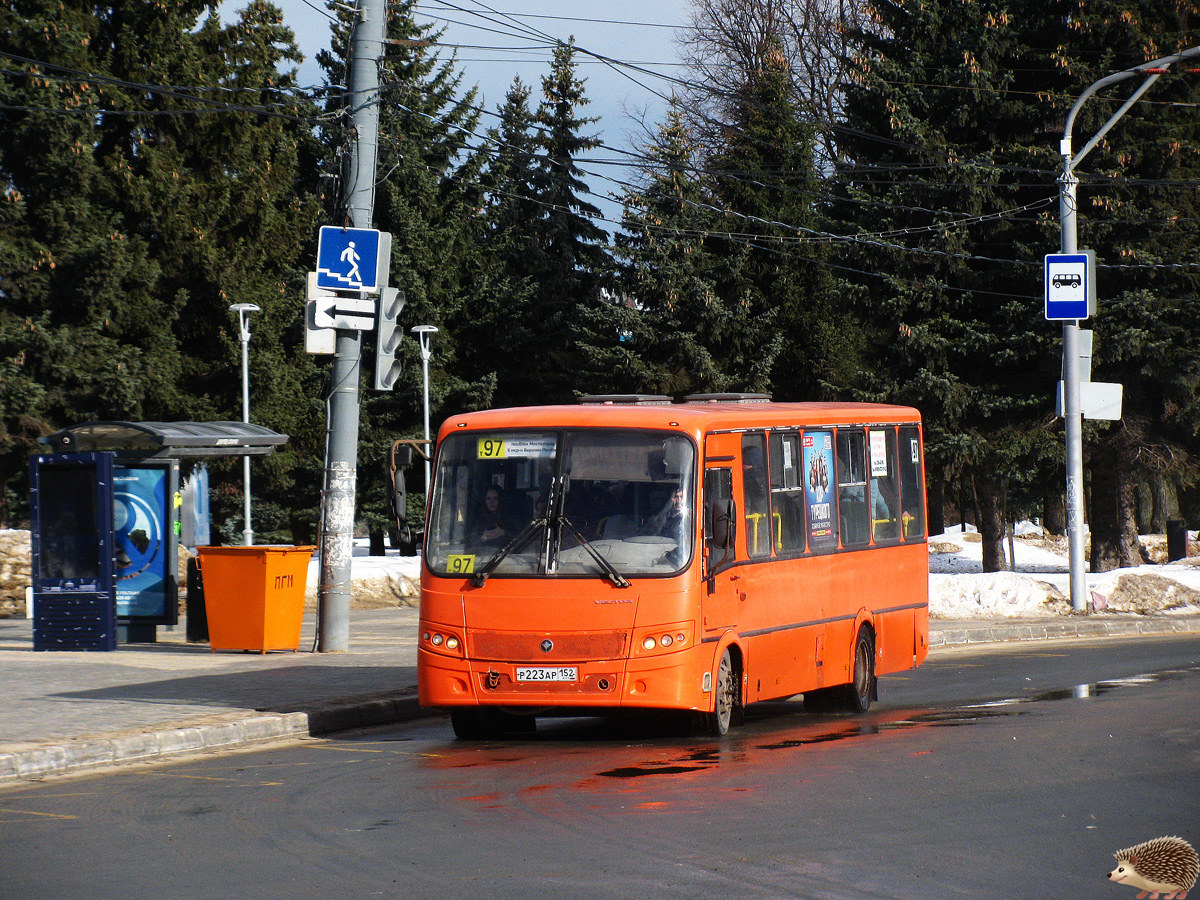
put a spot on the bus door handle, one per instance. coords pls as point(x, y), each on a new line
point(741, 595)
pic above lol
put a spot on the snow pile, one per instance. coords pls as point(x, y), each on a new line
point(1040, 586)
point(1006, 594)
point(377, 582)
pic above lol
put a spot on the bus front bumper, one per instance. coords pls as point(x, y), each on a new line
point(668, 681)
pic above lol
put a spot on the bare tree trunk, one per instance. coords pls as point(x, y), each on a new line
point(1055, 517)
point(989, 499)
point(1166, 504)
point(1114, 513)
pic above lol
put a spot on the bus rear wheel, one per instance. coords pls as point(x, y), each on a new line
point(856, 696)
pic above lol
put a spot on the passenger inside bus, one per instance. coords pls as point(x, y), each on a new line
point(673, 521)
point(493, 526)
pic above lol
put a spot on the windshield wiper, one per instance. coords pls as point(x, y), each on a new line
point(609, 569)
point(480, 577)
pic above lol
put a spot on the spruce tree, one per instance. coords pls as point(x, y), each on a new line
point(788, 336)
point(568, 252)
point(665, 323)
point(945, 170)
point(496, 332)
point(164, 188)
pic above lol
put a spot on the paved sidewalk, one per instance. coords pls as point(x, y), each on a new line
point(69, 711)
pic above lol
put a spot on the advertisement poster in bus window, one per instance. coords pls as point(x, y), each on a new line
point(139, 513)
point(818, 488)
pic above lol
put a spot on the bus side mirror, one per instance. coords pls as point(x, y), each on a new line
point(720, 527)
point(399, 458)
point(723, 518)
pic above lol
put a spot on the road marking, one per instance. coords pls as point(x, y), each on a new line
point(27, 812)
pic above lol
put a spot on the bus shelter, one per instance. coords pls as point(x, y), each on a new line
point(105, 510)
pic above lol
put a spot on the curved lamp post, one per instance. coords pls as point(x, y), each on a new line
point(243, 310)
point(1068, 209)
point(424, 334)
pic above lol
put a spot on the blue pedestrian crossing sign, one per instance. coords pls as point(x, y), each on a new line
point(353, 259)
point(1070, 286)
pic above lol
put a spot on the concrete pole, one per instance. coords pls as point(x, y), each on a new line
point(341, 442)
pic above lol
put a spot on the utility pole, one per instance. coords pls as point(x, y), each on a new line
point(341, 440)
point(1068, 208)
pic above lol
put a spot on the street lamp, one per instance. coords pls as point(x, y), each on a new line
point(243, 310)
point(424, 334)
point(1068, 209)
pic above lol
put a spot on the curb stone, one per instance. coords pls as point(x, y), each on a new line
point(80, 755)
point(1084, 626)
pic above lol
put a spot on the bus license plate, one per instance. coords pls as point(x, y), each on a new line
point(546, 673)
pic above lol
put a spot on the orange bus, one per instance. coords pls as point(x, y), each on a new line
point(631, 552)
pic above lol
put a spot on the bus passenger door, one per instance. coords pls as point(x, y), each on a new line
point(722, 577)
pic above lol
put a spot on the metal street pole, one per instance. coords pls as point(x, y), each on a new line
point(341, 447)
point(1068, 209)
point(244, 309)
point(424, 335)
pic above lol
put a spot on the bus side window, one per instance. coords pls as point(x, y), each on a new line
point(755, 495)
point(720, 519)
point(852, 487)
point(912, 484)
point(885, 486)
point(787, 493)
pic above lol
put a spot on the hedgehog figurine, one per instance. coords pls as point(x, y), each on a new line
point(1165, 865)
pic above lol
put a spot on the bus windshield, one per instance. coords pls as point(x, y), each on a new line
point(583, 503)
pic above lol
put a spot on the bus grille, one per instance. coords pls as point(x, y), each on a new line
point(528, 647)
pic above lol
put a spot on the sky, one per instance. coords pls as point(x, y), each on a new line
point(500, 39)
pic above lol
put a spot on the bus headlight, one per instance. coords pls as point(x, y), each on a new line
point(442, 642)
point(664, 638)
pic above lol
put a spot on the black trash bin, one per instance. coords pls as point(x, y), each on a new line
point(197, 614)
point(1176, 539)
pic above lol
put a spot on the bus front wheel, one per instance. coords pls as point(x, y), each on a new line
point(726, 702)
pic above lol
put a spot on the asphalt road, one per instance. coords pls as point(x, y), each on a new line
point(1013, 772)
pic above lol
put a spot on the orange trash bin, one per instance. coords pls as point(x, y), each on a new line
point(254, 596)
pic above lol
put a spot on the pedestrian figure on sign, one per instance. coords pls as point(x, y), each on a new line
point(350, 255)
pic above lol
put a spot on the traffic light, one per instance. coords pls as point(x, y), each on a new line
point(387, 338)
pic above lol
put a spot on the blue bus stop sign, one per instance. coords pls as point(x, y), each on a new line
point(348, 259)
point(1070, 286)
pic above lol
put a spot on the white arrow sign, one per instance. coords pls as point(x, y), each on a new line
point(344, 312)
point(320, 341)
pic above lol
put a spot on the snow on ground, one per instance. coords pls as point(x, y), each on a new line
point(1040, 586)
point(958, 586)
